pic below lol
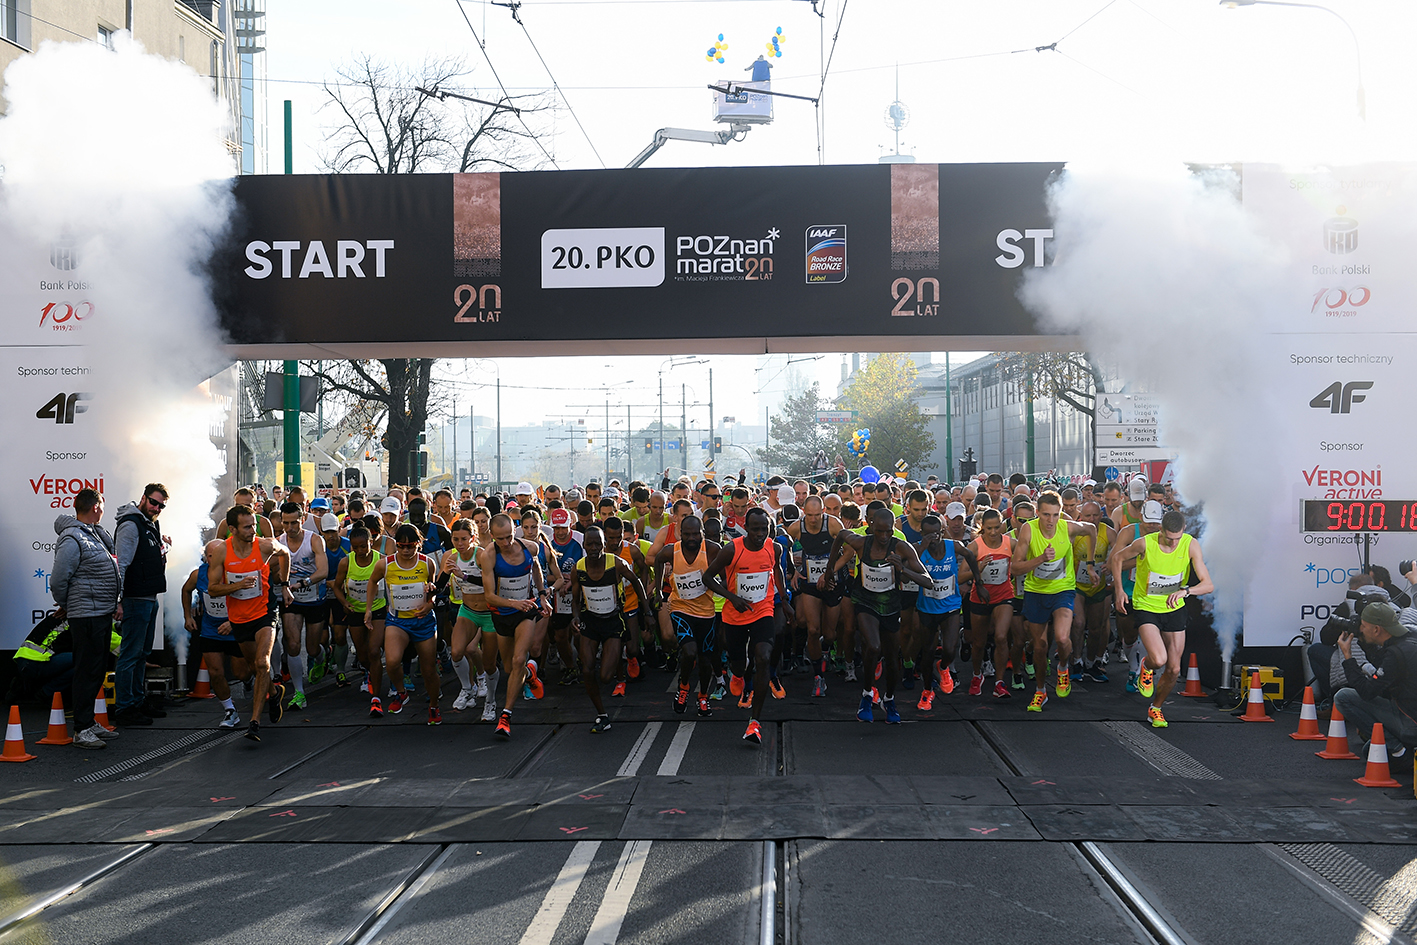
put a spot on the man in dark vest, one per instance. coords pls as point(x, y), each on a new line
point(142, 563)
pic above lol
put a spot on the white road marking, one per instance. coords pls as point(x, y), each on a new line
point(605, 928)
point(675, 756)
point(558, 898)
point(639, 752)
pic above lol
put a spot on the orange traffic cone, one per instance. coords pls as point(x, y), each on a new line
point(1193, 680)
point(1337, 747)
point(100, 711)
point(1308, 719)
point(1377, 774)
point(1254, 710)
point(204, 685)
point(58, 729)
point(15, 739)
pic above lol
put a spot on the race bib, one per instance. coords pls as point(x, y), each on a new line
point(515, 588)
point(941, 589)
point(690, 585)
point(1051, 570)
point(753, 586)
point(910, 587)
point(356, 589)
point(563, 603)
point(816, 567)
point(214, 607)
point(246, 593)
point(404, 597)
point(1084, 573)
point(600, 600)
point(305, 595)
point(877, 578)
point(995, 571)
point(1163, 585)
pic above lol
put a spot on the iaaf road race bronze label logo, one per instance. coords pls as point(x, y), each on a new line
point(826, 254)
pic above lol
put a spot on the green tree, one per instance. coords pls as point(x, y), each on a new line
point(883, 396)
point(797, 436)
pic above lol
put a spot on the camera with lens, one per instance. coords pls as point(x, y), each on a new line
point(1346, 616)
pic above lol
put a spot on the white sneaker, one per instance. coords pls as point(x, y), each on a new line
point(489, 711)
point(87, 739)
point(100, 732)
point(464, 697)
point(230, 720)
point(988, 668)
point(851, 673)
point(481, 688)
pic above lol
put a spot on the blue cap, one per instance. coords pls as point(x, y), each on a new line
point(320, 503)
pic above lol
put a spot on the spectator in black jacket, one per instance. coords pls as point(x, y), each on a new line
point(1389, 694)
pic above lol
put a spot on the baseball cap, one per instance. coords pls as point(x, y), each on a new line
point(524, 488)
point(1383, 615)
point(319, 502)
point(1136, 489)
point(954, 510)
point(392, 504)
point(611, 493)
point(560, 518)
point(328, 522)
point(786, 495)
point(1089, 482)
point(1152, 512)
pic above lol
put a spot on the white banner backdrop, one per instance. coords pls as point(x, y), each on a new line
point(1347, 377)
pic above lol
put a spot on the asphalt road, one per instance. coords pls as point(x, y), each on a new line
point(975, 821)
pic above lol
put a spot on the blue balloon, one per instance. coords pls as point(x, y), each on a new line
point(720, 36)
point(870, 474)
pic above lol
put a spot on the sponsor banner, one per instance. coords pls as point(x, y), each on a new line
point(645, 254)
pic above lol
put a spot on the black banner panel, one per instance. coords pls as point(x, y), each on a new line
point(902, 250)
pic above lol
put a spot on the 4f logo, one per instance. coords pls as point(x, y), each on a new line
point(1339, 397)
point(62, 408)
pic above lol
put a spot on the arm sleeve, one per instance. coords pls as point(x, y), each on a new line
point(66, 563)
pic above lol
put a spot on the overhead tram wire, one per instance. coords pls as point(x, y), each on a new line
point(505, 94)
point(821, 118)
point(514, 6)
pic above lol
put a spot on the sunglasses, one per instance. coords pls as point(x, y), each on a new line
point(156, 504)
point(406, 544)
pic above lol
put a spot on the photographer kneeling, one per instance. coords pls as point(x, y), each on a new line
point(1389, 695)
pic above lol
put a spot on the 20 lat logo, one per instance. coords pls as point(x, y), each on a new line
point(1339, 397)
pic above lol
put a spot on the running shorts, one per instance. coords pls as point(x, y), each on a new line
point(699, 629)
point(1171, 622)
point(418, 629)
point(226, 645)
point(741, 639)
point(246, 632)
point(1038, 608)
point(602, 628)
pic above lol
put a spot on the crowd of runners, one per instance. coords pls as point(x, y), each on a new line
point(992, 588)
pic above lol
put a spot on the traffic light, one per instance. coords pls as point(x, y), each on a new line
point(649, 446)
point(718, 444)
point(422, 464)
point(422, 439)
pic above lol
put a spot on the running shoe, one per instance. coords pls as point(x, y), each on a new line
point(719, 691)
point(1017, 684)
point(319, 665)
point(364, 686)
point(851, 673)
point(464, 699)
point(735, 685)
point(602, 724)
point(880, 668)
point(681, 700)
point(489, 711)
point(875, 696)
point(1096, 673)
point(396, 705)
point(819, 687)
point(989, 668)
point(1146, 682)
point(434, 716)
point(927, 701)
point(253, 731)
point(1039, 700)
point(534, 681)
point(907, 678)
point(1154, 716)
point(754, 733)
point(775, 687)
point(297, 701)
point(526, 692)
point(1064, 685)
point(570, 678)
point(409, 685)
point(1131, 682)
point(1028, 667)
point(947, 678)
point(864, 712)
point(274, 709)
point(745, 701)
point(976, 685)
point(481, 686)
point(341, 680)
point(1001, 691)
point(632, 668)
point(619, 690)
point(230, 720)
point(376, 708)
point(892, 716)
point(704, 710)
point(504, 727)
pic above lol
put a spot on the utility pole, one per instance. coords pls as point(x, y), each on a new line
point(661, 416)
point(499, 429)
point(684, 424)
point(949, 425)
point(455, 447)
point(1028, 426)
point(710, 433)
point(291, 414)
point(607, 443)
point(628, 474)
point(471, 435)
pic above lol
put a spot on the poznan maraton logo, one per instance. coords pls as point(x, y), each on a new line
point(826, 254)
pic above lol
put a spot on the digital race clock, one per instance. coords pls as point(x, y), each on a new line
point(1374, 515)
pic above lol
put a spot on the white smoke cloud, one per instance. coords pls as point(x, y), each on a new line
point(1163, 275)
point(124, 152)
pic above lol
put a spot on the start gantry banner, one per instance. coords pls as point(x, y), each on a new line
point(771, 252)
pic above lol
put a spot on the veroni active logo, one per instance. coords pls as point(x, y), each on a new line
point(63, 408)
point(1339, 397)
point(826, 254)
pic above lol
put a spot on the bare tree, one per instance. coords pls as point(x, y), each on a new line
point(384, 124)
point(1070, 376)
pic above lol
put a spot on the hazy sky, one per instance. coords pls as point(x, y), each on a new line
point(1184, 79)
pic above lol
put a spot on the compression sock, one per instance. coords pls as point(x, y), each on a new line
point(464, 674)
point(341, 655)
point(297, 671)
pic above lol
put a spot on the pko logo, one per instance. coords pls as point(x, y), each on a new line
point(64, 254)
point(1339, 397)
point(1340, 233)
point(1330, 576)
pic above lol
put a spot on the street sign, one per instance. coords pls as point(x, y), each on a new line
point(703, 444)
point(1130, 455)
point(1137, 409)
point(1120, 434)
point(835, 416)
point(671, 444)
point(1112, 473)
